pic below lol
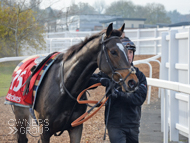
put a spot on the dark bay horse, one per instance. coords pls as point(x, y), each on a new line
point(55, 110)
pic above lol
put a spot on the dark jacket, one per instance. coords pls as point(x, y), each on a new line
point(125, 109)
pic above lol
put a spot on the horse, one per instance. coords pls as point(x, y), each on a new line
point(56, 107)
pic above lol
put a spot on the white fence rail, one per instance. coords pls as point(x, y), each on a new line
point(175, 67)
point(178, 87)
point(9, 59)
point(147, 41)
point(62, 44)
point(146, 61)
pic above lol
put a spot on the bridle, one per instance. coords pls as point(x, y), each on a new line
point(113, 69)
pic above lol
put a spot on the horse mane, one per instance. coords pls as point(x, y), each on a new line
point(77, 47)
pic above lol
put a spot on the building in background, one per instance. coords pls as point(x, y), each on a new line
point(60, 22)
point(96, 22)
point(86, 22)
point(130, 23)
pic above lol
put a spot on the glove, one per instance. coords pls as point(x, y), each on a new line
point(115, 93)
point(93, 80)
point(104, 81)
point(95, 76)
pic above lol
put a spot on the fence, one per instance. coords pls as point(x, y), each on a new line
point(175, 67)
point(175, 87)
point(61, 44)
point(147, 41)
point(146, 61)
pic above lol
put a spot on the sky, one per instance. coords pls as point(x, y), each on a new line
point(182, 6)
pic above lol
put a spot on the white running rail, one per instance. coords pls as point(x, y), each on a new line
point(175, 86)
point(9, 59)
point(146, 61)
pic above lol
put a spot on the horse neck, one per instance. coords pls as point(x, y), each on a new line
point(80, 67)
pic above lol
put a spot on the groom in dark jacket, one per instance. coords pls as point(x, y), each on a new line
point(123, 109)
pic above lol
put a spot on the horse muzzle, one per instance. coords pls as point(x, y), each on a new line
point(128, 86)
point(127, 80)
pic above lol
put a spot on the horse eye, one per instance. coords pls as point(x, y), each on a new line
point(113, 52)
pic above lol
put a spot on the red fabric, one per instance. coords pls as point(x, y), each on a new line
point(15, 93)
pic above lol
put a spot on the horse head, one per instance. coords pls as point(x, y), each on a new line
point(113, 60)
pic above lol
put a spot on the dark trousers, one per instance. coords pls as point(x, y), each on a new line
point(123, 135)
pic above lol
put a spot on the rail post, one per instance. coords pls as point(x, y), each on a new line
point(173, 76)
point(163, 72)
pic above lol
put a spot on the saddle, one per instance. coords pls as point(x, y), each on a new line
point(39, 63)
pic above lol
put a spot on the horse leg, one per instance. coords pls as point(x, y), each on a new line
point(44, 137)
point(75, 134)
point(22, 120)
point(45, 133)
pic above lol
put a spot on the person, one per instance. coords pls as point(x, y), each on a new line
point(123, 109)
point(123, 35)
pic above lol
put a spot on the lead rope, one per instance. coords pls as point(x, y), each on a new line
point(109, 104)
point(84, 117)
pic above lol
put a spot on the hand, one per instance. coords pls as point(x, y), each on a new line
point(95, 76)
point(104, 81)
point(93, 80)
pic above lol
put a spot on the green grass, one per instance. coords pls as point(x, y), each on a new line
point(5, 81)
point(6, 70)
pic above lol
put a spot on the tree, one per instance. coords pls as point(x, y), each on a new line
point(140, 12)
point(174, 16)
point(156, 13)
point(81, 8)
point(99, 6)
point(19, 28)
point(122, 8)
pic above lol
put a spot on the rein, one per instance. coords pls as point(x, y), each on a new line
point(84, 117)
point(62, 85)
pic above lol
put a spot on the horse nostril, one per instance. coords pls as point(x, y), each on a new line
point(132, 84)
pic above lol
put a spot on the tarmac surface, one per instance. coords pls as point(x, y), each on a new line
point(150, 127)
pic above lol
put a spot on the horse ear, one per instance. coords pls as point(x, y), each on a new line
point(109, 30)
point(122, 28)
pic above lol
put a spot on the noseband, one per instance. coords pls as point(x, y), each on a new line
point(113, 69)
